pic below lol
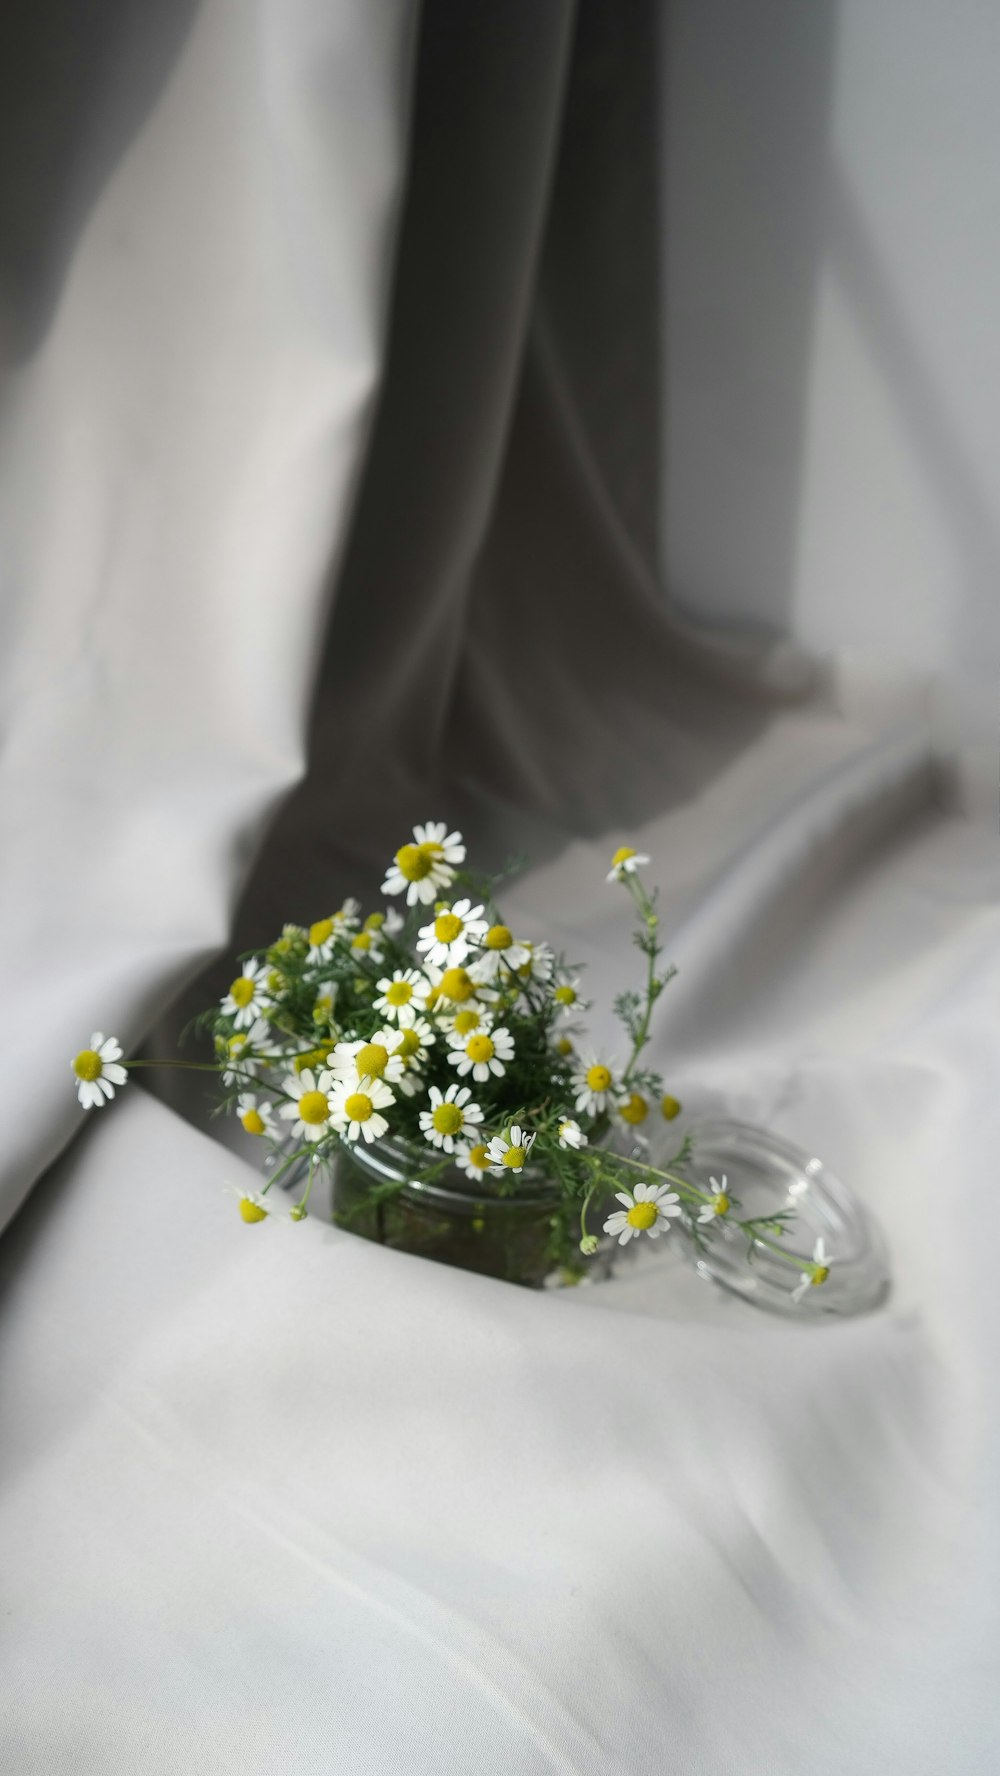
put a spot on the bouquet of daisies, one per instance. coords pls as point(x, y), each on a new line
point(439, 1028)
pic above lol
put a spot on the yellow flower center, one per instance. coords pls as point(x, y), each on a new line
point(409, 1044)
point(358, 1107)
point(242, 990)
point(564, 1046)
point(314, 1107)
point(236, 1045)
point(88, 1064)
point(275, 981)
point(320, 932)
point(598, 1078)
point(514, 1158)
point(622, 855)
point(721, 1203)
point(363, 941)
point(670, 1107)
point(465, 1022)
point(820, 1272)
point(498, 937)
point(372, 1060)
point(447, 926)
point(447, 1119)
point(641, 1215)
point(252, 1211)
point(565, 995)
point(374, 921)
point(457, 984)
point(635, 1109)
point(253, 1122)
point(399, 993)
point(414, 862)
point(479, 1157)
point(313, 1057)
point(479, 1048)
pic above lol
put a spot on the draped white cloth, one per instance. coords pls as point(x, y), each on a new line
point(273, 1498)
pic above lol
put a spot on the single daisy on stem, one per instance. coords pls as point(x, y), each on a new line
point(424, 868)
point(649, 1208)
point(97, 1071)
point(452, 1114)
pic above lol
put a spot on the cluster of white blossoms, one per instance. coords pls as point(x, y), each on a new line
point(445, 1034)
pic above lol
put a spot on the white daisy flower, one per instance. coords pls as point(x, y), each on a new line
point(818, 1270)
point(401, 994)
point(648, 1208)
point(356, 1107)
point(322, 939)
point(625, 862)
point(378, 1058)
point(310, 1107)
point(571, 1134)
point(466, 1020)
point(719, 1205)
point(452, 934)
point(394, 922)
point(253, 1207)
point(500, 953)
point(594, 1084)
point(368, 944)
point(427, 866)
point(256, 1114)
point(451, 1114)
point(567, 996)
point(540, 964)
point(474, 1161)
point(245, 1053)
point(509, 1152)
point(411, 1046)
point(482, 1053)
point(632, 1110)
point(97, 1070)
point(247, 998)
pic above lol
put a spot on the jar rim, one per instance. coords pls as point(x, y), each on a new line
point(392, 1149)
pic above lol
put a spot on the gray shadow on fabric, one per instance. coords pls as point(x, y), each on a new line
point(76, 84)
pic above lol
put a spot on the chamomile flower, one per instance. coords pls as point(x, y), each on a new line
point(817, 1273)
point(571, 1134)
point(539, 966)
point(394, 922)
point(252, 1206)
point(669, 1107)
point(648, 1208)
point(632, 1110)
point(422, 869)
point(500, 954)
point(256, 1114)
point(452, 1114)
point(474, 1161)
point(625, 862)
point(246, 1052)
point(509, 1152)
point(309, 1107)
point(594, 1084)
point(482, 1053)
point(401, 994)
point(466, 1020)
point(356, 1108)
point(718, 1205)
point(248, 998)
point(97, 1070)
point(567, 996)
point(367, 945)
point(452, 934)
point(374, 1059)
point(326, 1000)
point(411, 1046)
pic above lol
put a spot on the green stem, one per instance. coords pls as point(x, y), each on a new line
point(645, 907)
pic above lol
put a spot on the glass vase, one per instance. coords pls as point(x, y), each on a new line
point(517, 1229)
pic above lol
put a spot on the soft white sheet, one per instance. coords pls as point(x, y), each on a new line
point(273, 1499)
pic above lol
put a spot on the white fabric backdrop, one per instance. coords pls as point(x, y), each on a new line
point(272, 1498)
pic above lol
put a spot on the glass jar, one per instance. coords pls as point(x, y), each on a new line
point(517, 1229)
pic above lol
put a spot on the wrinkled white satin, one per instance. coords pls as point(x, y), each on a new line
point(274, 1499)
